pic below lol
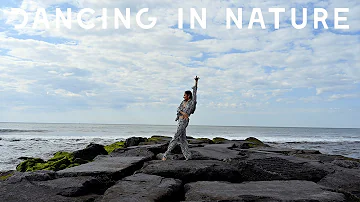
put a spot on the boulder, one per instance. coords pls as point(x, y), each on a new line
point(143, 187)
point(260, 191)
point(134, 141)
point(90, 152)
point(193, 170)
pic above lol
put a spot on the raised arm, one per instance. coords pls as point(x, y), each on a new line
point(195, 88)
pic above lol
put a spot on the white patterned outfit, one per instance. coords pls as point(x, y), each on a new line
point(180, 135)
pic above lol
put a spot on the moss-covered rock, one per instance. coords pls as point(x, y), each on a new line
point(219, 140)
point(59, 161)
point(157, 140)
point(254, 142)
point(116, 145)
point(6, 175)
point(29, 164)
point(201, 141)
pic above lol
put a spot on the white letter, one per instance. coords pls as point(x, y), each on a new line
point(60, 16)
point(260, 20)
point(138, 19)
point(276, 12)
point(44, 20)
point(104, 18)
point(126, 21)
point(337, 18)
point(194, 14)
point(318, 19)
point(180, 18)
point(24, 14)
point(230, 14)
point(293, 19)
point(79, 18)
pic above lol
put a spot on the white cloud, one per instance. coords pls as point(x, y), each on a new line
point(155, 66)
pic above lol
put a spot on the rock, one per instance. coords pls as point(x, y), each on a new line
point(200, 141)
point(4, 175)
point(110, 148)
point(276, 168)
point(344, 180)
point(134, 141)
point(171, 156)
point(220, 140)
point(133, 152)
point(217, 151)
point(73, 186)
point(114, 167)
point(42, 175)
point(143, 187)
point(29, 192)
point(156, 140)
point(260, 191)
point(347, 164)
point(90, 152)
point(254, 142)
point(29, 164)
point(154, 148)
point(193, 170)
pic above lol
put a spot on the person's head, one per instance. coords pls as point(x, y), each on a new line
point(187, 95)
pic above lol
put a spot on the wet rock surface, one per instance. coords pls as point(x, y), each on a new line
point(220, 170)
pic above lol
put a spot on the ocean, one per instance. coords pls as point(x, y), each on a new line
point(42, 140)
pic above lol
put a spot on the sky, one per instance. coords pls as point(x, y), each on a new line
point(248, 77)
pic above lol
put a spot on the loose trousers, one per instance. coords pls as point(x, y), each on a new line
point(180, 138)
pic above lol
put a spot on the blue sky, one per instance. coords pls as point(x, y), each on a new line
point(257, 77)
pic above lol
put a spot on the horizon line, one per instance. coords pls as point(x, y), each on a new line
point(251, 126)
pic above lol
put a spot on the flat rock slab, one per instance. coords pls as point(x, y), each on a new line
point(155, 148)
point(133, 152)
point(280, 168)
point(193, 170)
point(29, 192)
point(143, 187)
point(344, 180)
point(217, 151)
point(72, 186)
point(260, 191)
point(116, 167)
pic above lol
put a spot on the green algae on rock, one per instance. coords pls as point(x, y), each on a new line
point(254, 142)
point(6, 175)
point(219, 140)
point(117, 145)
point(59, 161)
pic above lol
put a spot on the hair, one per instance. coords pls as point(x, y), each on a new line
point(189, 93)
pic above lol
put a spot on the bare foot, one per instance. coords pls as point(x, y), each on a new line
point(164, 159)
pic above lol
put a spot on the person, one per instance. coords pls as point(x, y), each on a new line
point(185, 109)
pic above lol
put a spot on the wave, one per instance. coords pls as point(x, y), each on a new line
point(315, 142)
point(21, 131)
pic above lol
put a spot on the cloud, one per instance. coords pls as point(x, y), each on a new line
point(136, 68)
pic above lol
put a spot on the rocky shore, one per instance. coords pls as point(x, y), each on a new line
point(220, 170)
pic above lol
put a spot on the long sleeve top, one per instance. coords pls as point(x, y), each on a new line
point(189, 106)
